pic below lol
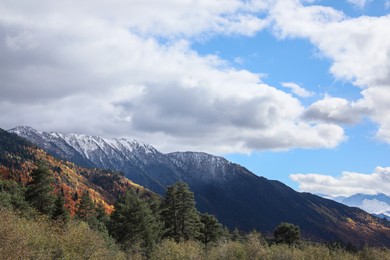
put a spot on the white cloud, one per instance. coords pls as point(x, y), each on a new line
point(336, 110)
point(297, 90)
point(387, 4)
point(170, 18)
point(359, 49)
point(347, 184)
point(99, 69)
point(359, 3)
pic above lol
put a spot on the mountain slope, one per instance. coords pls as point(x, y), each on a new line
point(235, 195)
point(18, 157)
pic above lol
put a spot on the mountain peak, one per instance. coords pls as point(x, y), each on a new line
point(22, 129)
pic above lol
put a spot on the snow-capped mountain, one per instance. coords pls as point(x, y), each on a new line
point(378, 204)
point(138, 161)
point(236, 196)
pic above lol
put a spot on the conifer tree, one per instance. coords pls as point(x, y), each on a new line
point(86, 210)
point(40, 192)
point(180, 217)
point(102, 219)
point(101, 214)
point(211, 229)
point(60, 212)
point(133, 223)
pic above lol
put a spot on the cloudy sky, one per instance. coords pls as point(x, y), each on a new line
point(296, 91)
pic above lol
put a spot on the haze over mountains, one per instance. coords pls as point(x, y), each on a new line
point(236, 196)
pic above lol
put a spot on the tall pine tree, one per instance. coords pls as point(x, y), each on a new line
point(132, 223)
point(181, 219)
point(211, 229)
point(60, 212)
point(86, 210)
point(40, 192)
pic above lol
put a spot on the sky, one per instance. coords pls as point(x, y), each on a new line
point(294, 90)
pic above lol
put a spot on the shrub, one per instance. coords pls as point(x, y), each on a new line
point(170, 250)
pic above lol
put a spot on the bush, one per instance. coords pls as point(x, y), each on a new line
point(42, 238)
point(170, 250)
point(229, 250)
point(287, 233)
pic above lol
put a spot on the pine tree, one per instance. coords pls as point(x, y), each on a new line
point(211, 229)
point(181, 219)
point(101, 214)
point(102, 218)
point(132, 223)
point(86, 210)
point(40, 192)
point(59, 211)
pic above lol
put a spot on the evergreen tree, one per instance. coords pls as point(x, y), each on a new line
point(40, 192)
point(132, 223)
point(236, 235)
point(101, 214)
point(180, 217)
point(86, 210)
point(60, 212)
point(76, 196)
point(211, 229)
point(287, 233)
point(103, 219)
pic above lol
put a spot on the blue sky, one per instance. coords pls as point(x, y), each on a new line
point(294, 90)
point(297, 60)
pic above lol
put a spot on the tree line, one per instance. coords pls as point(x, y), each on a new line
point(138, 225)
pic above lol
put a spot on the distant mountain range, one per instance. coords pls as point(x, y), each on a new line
point(236, 196)
point(378, 205)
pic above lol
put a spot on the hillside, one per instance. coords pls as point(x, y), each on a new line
point(18, 157)
point(236, 196)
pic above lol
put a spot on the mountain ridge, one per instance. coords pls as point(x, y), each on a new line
point(236, 196)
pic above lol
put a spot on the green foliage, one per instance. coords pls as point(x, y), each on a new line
point(86, 209)
point(180, 217)
point(60, 212)
point(287, 233)
point(211, 229)
point(40, 192)
point(94, 216)
point(236, 235)
point(12, 196)
point(102, 215)
point(133, 225)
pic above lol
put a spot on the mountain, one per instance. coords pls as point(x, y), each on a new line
point(378, 204)
point(236, 196)
point(18, 157)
